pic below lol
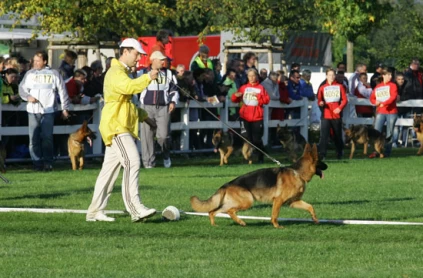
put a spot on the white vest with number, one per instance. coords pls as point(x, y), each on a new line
point(250, 96)
point(332, 94)
point(382, 93)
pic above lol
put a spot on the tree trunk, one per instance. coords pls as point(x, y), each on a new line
point(82, 58)
point(350, 56)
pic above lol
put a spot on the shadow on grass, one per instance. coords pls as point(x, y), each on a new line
point(360, 202)
point(54, 195)
point(50, 195)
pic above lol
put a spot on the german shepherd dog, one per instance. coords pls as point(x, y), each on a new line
point(76, 144)
point(223, 142)
point(277, 185)
point(361, 134)
point(418, 127)
point(2, 158)
point(293, 142)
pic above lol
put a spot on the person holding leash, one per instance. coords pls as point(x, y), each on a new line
point(158, 100)
point(254, 96)
point(119, 127)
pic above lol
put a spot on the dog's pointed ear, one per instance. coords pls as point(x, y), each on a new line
point(85, 124)
point(278, 126)
point(314, 152)
point(306, 149)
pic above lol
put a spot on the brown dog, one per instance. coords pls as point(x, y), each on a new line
point(223, 142)
point(247, 152)
point(277, 185)
point(76, 144)
point(361, 134)
point(2, 158)
point(418, 127)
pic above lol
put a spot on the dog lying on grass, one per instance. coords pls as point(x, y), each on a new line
point(277, 185)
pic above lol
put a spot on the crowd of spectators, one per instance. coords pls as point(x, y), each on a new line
point(202, 81)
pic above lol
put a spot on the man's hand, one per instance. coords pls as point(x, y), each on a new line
point(321, 103)
point(65, 114)
point(32, 99)
point(171, 107)
point(151, 123)
point(337, 110)
point(153, 74)
point(238, 94)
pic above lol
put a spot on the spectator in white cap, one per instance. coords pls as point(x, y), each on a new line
point(159, 100)
point(119, 127)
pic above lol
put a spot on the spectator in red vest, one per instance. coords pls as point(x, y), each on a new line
point(332, 98)
point(162, 38)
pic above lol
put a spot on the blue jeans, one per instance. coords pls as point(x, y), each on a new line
point(41, 138)
point(390, 120)
point(399, 131)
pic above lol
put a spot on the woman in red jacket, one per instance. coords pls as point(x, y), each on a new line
point(332, 98)
point(384, 97)
point(253, 96)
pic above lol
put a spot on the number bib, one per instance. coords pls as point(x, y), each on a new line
point(382, 93)
point(250, 96)
point(332, 94)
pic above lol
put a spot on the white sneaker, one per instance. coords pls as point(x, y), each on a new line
point(100, 217)
point(167, 163)
point(143, 213)
point(149, 167)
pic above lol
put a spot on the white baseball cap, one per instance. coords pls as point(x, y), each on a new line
point(157, 55)
point(130, 42)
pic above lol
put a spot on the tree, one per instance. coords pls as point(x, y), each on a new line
point(90, 19)
point(350, 19)
point(247, 18)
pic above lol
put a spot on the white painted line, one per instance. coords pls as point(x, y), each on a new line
point(339, 222)
point(41, 210)
point(223, 215)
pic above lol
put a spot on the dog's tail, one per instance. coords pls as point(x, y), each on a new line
point(211, 204)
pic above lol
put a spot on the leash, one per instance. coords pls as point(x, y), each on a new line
point(217, 118)
point(4, 179)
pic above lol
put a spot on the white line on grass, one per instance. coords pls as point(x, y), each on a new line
point(223, 215)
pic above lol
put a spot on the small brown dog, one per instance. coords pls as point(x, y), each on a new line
point(361, 134)
point(223, 142)
point(76, 144)
point(418, 127)
point(247, 152)
point(278, 185)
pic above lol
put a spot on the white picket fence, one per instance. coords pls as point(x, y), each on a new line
point(185, 125)
point(348, 119)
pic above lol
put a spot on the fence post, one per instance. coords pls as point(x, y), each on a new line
point(304, 118)
point(97, 144)
point(265, 125)
point(185, 131)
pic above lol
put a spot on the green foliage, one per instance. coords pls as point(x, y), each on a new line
point(350, 19)
point(64, 245)
point(401, 38)
point(87, 19)
point(247, 18)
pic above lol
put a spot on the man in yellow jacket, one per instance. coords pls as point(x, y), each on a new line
point(119, 129)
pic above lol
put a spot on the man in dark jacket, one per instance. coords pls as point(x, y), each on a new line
point(414, 82)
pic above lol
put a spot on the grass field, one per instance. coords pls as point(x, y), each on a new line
point(64, 245)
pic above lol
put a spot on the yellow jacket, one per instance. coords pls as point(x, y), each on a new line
point(119, 114)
